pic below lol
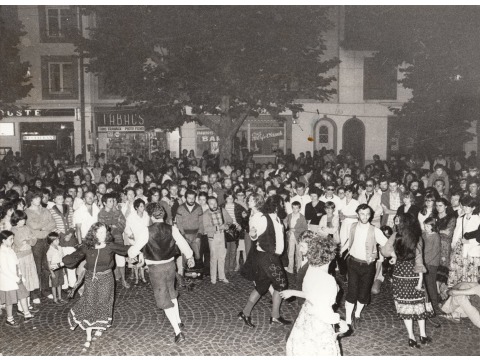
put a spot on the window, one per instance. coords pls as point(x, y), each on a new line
point(59, 77)
point(379, 80)
point(323, 135)
point(56, 23)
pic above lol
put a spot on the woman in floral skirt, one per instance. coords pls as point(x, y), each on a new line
point(94, 310)
point(408, 294)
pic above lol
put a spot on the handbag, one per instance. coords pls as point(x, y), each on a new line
point(231, 233)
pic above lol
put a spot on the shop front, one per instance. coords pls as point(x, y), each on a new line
point(126, 133)
point(40, 131)
point(263, 136)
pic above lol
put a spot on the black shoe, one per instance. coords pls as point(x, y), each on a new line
point(425, 340)
point(356, 323)
point(179, 338)
point(413, 344)
point(347, 333)
point(20, 313)
point(246, 319)
point(12, 323)
point(27, 319)
point(280, 320)
point(181, 325)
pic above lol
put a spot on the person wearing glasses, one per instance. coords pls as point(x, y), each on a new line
point(329, 195)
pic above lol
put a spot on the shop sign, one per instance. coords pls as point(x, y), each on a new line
point(125, 118)
point(39, 137)
point(37, 112)
point(121, 128)
point(264, 134)
point(266, 141)
point(207, 136)
point(207, 140)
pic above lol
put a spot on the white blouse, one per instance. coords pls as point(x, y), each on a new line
point(8, 269)
point(321, 291)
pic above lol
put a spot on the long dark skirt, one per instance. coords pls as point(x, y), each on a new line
point(95, 307)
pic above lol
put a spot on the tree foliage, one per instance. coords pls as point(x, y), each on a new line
point(233, 61)
point(439, 45)
point(13, 73)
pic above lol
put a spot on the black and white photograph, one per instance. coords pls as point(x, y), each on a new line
point(239, 179)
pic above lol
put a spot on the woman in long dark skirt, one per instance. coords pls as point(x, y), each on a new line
point(94, 310)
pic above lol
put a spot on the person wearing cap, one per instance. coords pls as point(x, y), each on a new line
point(159, 243)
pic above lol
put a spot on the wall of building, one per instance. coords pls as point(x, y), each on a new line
point(373, 116)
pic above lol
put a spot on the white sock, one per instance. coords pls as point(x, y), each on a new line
point(359, 309)
point(177, 310)
point(172, 317)
point(348, 312)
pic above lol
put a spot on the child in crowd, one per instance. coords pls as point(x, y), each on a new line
point(54, 257)
point(296, 225)
point(23, 240)
point(12, 289)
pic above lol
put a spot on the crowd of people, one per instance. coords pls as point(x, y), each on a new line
point(322, 218)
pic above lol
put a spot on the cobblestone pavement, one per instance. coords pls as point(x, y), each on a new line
point(212, 328)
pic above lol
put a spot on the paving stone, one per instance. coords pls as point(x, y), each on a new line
point(209, 313)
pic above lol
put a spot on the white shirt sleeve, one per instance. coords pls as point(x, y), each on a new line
point(141, 239)
point(181, 242)
point(259, 222)
point(380, 237)
point(279, 241)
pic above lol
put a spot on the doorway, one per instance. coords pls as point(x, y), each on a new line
point(354, 139)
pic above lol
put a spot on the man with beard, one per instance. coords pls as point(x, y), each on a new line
point(159, 242)
point(264, 262)
point(215, 222)
point(190, 223)
point(362, 249)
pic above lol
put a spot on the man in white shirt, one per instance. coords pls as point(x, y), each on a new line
point(85, 216)
point(362, 246)
point(301, 197)
point(329, 195)
point(158, 243)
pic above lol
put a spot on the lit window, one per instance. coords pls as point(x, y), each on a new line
point(323, 135)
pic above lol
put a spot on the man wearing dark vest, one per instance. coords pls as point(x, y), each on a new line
point(158, 243)
point(362, 255)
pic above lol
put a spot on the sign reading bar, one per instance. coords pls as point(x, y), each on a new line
point(39, 137)
point(120, 128)
point(37, 112)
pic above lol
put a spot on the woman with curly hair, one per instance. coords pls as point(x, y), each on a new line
point(313, 333)
point(94, 310)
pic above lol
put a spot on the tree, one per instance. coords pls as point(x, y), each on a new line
point(13, 73)
point(229, 61)
point(438, 51)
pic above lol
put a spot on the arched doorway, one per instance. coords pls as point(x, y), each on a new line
point(325, 134)
point(354, 138)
